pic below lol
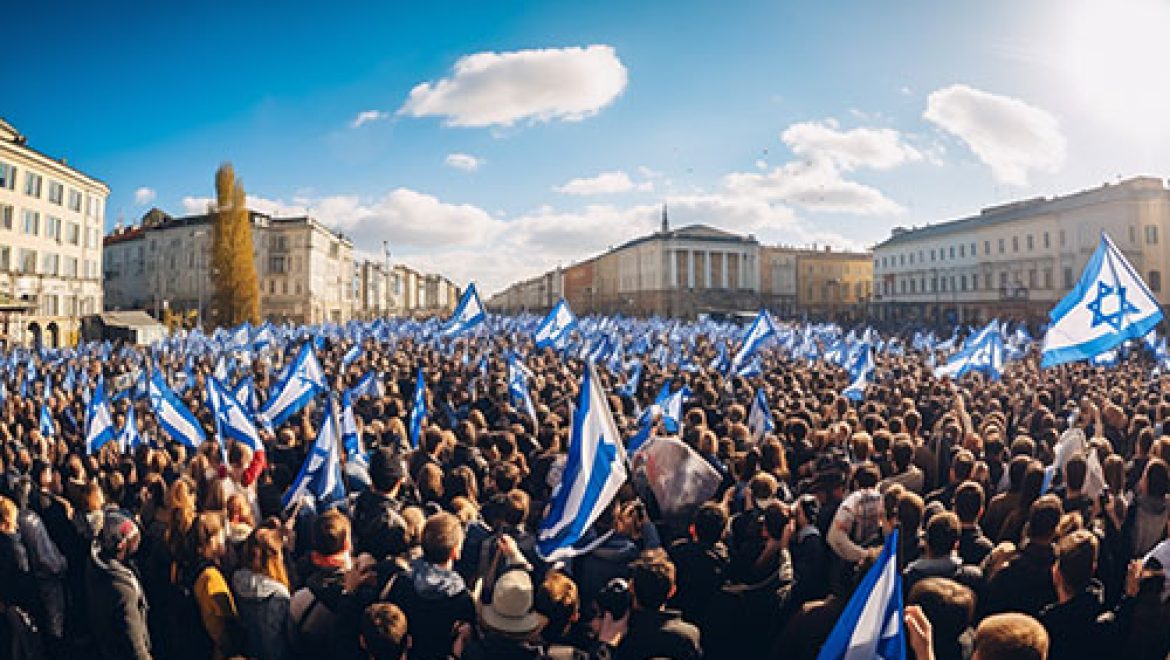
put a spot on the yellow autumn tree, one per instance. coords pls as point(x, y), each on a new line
point(235, 285)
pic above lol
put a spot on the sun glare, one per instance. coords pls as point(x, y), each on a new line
point(1117, 57)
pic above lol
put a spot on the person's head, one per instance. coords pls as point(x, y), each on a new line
point(331, 534)
point(867, 475)
point(1076, 561)
point(386, 470)
point(1156, 478)
point(652, 579)
point(948, 605)
point(207, 539)
point(969, 502)
point(264, 554)
point(119, 537)
point(8, 511)
point(903, 452)
point(510, 610)
point(962, 466)
point(382, 632)
point(709, 523)
point(1043, 517)
point(762, 488)
point(558, 601)
point(1011, 636)
point(942, 534)
point(1074, 472)
point(442, 539)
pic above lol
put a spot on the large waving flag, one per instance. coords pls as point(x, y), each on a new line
point(128, 437)
point(468, 314)
point(351, 439)
point(760, 418)
point(761, 330)
point(99, 424)
point(555, 328)
point(303, 381)
point(982, 352)
point(172, 415)
point(1109, 305)
point(860, 373)
point(518, 387)
point(320, 475)
point(871, 625)
point(231, 420)
point(671, 404)
point(245, 393)
point(594, 472)
point(418, 408)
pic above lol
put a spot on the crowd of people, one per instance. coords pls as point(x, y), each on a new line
point(1031, 514)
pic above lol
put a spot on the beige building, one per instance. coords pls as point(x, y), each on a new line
point(51, 218)
point(305, 270)
point(1017, 260)
point(834, 285)
point(778, 279)
point(536, 294)
point(442, 295)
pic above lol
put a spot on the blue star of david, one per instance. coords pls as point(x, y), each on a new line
point(1115, 319)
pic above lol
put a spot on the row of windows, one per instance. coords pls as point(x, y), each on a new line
point(964, 249)
point(51, 304)
point(958, 283)
point(52, 227)
point(30, 262)
point(34, 187)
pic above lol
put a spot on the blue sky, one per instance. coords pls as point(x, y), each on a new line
point(548, 131)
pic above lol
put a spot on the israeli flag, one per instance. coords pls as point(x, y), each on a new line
point(320, 475)
point(761, 330)
point(651, 414)
point(245, 394)
point(468, 314)
point(172, 415)
point(128, 437)
point(99, 424)
point(264, 337)
point(671, 404)
point(629, 389)
point(46, 422)
point(231, 420)
point(760, 418)
point(518, 388)
point(367, 385)
point(871, 625)
point(983, 352)
point(418, 408)
point(351, 355)
point(351, 439)
point(303, 381)
point(1109, 305)
point(861, 372)
point(554, 330)
point(594, 472)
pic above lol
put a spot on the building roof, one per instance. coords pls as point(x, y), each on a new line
point(1142, 187)
point(124, 236)
point(129, 319)
point(691, 232)
point(9, 134)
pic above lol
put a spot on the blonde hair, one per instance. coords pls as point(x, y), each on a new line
point(264, 554)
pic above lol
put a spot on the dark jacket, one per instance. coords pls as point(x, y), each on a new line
point(700, 570)
point(810, 566)
point(951, 568)
point(1025, 584)
point(974, 546)
point(263, 604)
point(1081, 628)
point(378, 527)
point(313, 614)
point(434, 599)
point(659, 634)
point(611, 559)
point(116, 610)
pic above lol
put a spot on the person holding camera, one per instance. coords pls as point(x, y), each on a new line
point(650, 629)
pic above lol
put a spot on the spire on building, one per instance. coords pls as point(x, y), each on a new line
point(665, 221)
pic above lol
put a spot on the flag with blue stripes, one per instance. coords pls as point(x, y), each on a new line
point(468, 314)
point(593, 473)
point(1109, 305)
point(518, 387)
point(231, 420)
point(46, 421)
point(303, 381)
point(871, 626)
point(351, 438)
point(760, 417)
point(983, 352)
point(320, 475)
point(860, 373)
point(368, 385)
point(554, 330)
point(99, 423)
point(671, 404)
point(418, 408)
point(172, 415)
point(761, 330)
point(128, 436)
point(351, 355)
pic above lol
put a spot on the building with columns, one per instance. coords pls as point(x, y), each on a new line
point(1019, 259)
point(51, 218)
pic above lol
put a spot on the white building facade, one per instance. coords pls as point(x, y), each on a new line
point(1017, 260)
point(51, 218)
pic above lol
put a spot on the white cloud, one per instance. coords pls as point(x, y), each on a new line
point(816, 185)
point(499, 89)
point(368, 116)
point(465, 162)
point(874, 148)
point(1008, 135)
point(276, 208)
point(144, 196)
point(606, 183)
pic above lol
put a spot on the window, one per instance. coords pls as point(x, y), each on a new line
point(32, 184)
point(987, 280)
point(1063, 238)
point(53, 227)
point(986, 247)
point(75, 200)
point(28, 261)
point(962, 252)
point(1068, 279)
point(52, 261)
point(1001, 244)
point(962, 283)
point(1151, 234)
point(943, 284)
point(6, 212)
point(932, 255)
point(1155, 281)
point(1003, 279)
point(91, 238)
point(1031, 243)
point(70, 269)
point(1047, 240)
point(952, 252)
point(1132, 234)
point(973, 250)
point(5, 258)
point(1015, 243)
point(912, 287)
point(7, 176)
point(911, 258)
point(73, 233)
point(1032, 283)
point(49, 305)
point(1047, 278)
point(56, 192)
point(32, 222)
point(277, 264)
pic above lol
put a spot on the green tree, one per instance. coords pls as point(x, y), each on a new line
point(235, 285)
